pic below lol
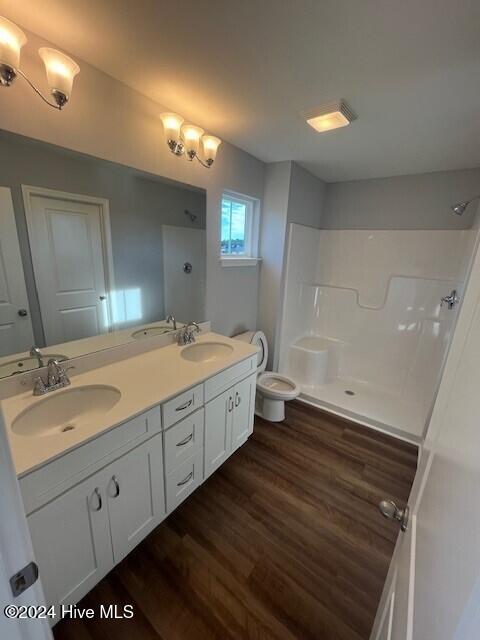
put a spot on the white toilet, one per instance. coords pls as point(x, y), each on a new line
point(273, 389)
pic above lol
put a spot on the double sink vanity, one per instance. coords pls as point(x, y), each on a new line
point(104, 460)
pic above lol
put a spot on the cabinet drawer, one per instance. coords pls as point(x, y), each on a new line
point(182, 481)
point(182, 405)
point(183, 439)
point(217, 384)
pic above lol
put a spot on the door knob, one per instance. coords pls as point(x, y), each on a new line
point(22, 313)
point(389, 509)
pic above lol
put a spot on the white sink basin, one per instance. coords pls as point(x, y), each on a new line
point(151, 331)
point(21, 365)
point(206, 352)
point(66, 410)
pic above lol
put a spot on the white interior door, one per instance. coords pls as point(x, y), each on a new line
point(435, 571)
point(68, 252)
point(16, 333)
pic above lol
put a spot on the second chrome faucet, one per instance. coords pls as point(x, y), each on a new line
point(56, 379)
point(186, 335)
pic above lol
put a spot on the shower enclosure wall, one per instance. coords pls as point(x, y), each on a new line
point(363, 330)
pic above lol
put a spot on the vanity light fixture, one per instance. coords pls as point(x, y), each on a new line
point(61, 70)
point(329, 116)
point(184, 139)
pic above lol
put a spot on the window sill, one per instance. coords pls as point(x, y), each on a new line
point(238, 261)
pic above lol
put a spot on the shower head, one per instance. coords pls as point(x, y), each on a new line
point(192, 216)
point(460, 207)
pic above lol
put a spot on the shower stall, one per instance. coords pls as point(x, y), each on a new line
point(364, 330)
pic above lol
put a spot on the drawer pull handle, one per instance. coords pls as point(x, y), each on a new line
point(117, 486)
point(182, 407)
point(99, 497)
point(187, 479)
point(230, 404)
point(185, 440)
point(237, 399)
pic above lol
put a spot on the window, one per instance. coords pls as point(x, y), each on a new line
point(238, 230)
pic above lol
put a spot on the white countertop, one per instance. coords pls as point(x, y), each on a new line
point(144, 381)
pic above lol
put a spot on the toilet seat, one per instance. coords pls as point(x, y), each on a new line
point(277, 387)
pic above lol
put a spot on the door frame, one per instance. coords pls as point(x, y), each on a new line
point(16, 551)
point(8, 217)
point(29, 191)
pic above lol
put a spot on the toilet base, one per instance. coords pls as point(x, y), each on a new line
point(273, 410)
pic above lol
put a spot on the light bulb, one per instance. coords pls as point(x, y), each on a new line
point(171, 125)
point(61, 70)
point(12, 40)
point(191, 139)
point(210, 146)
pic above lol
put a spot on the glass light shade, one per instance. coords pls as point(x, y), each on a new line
point(61, 70)
point(12, 40)
point(171, 125)
point(191, 138)
point(328, 121)
point(210, 146)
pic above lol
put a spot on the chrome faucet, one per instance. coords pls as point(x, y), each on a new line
point(36, 353)
point(172, 319)
point(186, 335)
point(56, 379)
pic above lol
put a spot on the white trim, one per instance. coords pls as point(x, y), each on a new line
point(239, 261)
point(16, 552)
point(28, 191)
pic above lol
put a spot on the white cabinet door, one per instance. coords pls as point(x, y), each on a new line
point(136, 500)
point(218, 430)
point(243, 414)
point(71, 541)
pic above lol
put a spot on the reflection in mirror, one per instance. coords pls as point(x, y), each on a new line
point(92, 254)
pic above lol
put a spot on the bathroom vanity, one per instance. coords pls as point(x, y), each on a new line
point(102, 462)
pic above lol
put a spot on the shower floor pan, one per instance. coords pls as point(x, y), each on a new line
point(369, 405)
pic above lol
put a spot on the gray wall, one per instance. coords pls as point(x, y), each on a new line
point(139, 205)
point(306, 197)
point(405, 202)
point(291, 194)
point(109, 120)
point(272, 244)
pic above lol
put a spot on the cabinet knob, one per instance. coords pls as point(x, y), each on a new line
point(185, 441)
point(185, 480)
point(117, 487)
point(96, 491)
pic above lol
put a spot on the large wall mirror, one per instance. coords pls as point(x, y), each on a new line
point(92, 254)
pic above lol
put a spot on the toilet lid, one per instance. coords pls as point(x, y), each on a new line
point(259, 339)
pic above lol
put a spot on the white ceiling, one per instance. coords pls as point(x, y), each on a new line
point(245, 69)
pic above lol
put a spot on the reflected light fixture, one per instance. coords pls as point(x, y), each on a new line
point(61, 70)
point(185, 138)
point(329, 116)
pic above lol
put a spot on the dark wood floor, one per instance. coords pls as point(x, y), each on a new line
point(284, 541)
